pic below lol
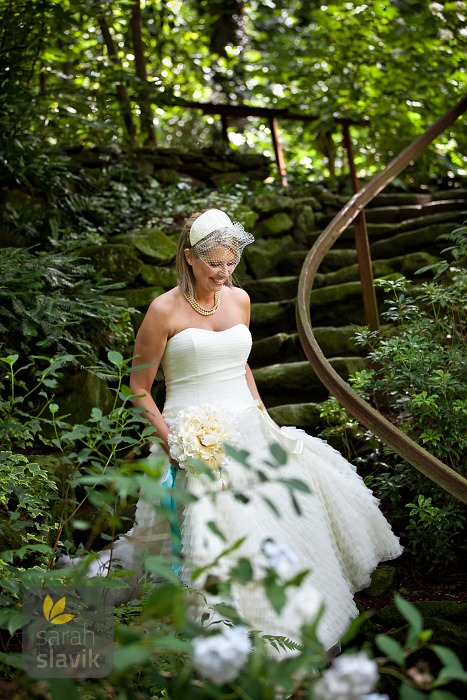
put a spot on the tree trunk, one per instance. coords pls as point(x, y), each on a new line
point(147, 117)
point(122, 93)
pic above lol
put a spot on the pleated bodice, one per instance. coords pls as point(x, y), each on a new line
point(204, 366)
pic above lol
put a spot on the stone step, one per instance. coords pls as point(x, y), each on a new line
point(406, 265)
point(277, 288)
point(399, 199)
point(420, 239)
point(335, 259)
point(389, 214)
point(427, 238)
point(271, 288)
point(453, 193)
point(296, 382)
point(413, 211)
point(385, 230)
point(378, 226)
point(329, 307)
point(300, 415)
point(286, 347)
point(332, 305)
point(266, 316)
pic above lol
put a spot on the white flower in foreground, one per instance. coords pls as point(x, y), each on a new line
point(436, 8)
point(374, 696)
point(445, 34)
point(221, 656)
point(281, 558)
point(349, 677)
point(303, 604)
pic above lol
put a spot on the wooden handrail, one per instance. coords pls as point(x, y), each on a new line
point(414, 454)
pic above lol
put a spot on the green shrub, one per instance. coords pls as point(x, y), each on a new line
point(156, 638)
point(26, 492)
point(417, 376)
point(55, 303)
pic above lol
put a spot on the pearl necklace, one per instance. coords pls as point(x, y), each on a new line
point(199, 309)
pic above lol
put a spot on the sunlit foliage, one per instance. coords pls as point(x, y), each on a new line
point(69, 73)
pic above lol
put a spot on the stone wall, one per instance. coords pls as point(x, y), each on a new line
point(207, 167)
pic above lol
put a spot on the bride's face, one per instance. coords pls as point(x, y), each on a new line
point(213, 268)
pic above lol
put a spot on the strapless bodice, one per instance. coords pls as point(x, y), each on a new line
point(204, 366)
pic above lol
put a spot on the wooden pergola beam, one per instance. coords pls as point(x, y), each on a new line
point(228, 113)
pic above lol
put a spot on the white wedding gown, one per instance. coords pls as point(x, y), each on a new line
point(340, 535)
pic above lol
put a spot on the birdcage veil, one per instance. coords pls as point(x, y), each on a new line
point(214, 229)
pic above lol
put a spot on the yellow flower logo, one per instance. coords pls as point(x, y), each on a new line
point(53, 612)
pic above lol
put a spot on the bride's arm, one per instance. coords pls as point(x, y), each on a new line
point(150, 344)
point(245, 301)
point(250, 380)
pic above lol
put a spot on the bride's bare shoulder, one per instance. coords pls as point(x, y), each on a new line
point(163, 308)
point(239, 295)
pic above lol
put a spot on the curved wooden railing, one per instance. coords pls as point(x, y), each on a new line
point(409, 450)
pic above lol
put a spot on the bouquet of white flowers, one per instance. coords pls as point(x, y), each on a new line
point(199, 432)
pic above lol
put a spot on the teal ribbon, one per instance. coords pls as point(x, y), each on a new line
point(168, 502)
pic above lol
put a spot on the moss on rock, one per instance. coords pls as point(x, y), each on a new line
point(275, 226)
point(116, 261)
point(151, 243)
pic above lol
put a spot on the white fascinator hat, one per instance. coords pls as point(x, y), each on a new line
point(213, 229)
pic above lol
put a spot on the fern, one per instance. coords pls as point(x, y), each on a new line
point(56, 301)
point(282, 643)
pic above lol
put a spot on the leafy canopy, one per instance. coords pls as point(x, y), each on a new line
point(79, 72)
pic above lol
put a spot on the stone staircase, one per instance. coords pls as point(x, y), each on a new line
point(404, 232)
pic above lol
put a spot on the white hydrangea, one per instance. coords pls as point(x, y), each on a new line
point(435, 8)
point(199, 432)
point(220, 657)
point(349, 678)
point(303, 603)
point(445, 34)
point(281, 557)
point(374, 696)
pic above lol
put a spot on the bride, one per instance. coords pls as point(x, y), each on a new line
point(199, 333)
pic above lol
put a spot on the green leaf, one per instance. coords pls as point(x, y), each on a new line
point(158, 565)
point(391, 648)
point(442, 695)
point(279, 454)
point(164, 601)
point(216, 530)
point(10, 360)
point(81, 524)
point(11, 619)
point(130, 655)
point(406, 692)
point(172, 643)
point(115, 358)
point(63, 688)
point(271, 505)
point(413, 617)
point(276, 594)
point(241, 497)
point(242, 570)
point(452, 666)
point(296, 484)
